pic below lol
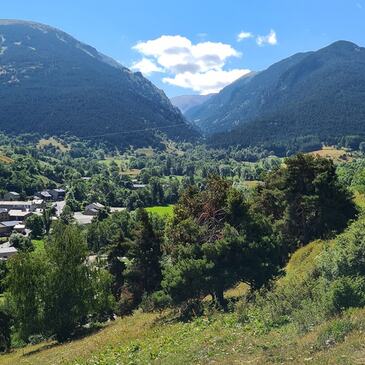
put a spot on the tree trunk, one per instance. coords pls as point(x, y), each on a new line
point(220, 301)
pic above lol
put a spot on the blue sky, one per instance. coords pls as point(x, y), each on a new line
point(201, 51)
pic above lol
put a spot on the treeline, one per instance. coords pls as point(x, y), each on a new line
point(269, 135)
point(218, 236)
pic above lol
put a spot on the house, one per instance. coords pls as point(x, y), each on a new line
point(93, 209)
point(19, 205)
point(19, 215)
point(138, 186)
point(38, 204)
point(4, 215)
point(11, 196)
point(7, 251)
point(45, 195)
point(58, 194)
point(20, 228)
point(6, 228)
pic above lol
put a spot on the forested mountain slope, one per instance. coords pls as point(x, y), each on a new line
point(52, 83)
point(318, 93)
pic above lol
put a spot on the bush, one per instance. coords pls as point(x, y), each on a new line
point(158, 300)
point(191, 309)
point(346, 292)
point(334, 332)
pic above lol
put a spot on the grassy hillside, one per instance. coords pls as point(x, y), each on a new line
point(152, 338)
point(142, 339)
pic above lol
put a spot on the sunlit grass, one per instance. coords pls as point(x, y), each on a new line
point(166, 210)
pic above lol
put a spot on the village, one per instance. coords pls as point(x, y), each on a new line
point(14, 213)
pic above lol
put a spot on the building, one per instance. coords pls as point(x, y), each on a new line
point(18, 205)
point(38, 204)
point(138, 186)
point(93, 209)
point(20, 228)
point(19, 215)
point(45, 195)
point(12, 196)
point(6, 228)
point(58, 194)
point(7, 251)
point(4, 215)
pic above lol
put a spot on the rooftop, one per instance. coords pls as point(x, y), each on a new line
point(15, 202)
point(9, 224)
point(18, 213)
point(6, 250)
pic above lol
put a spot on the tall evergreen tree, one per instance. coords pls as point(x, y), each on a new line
point(305, 200)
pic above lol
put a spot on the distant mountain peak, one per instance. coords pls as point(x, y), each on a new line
point(188, 102)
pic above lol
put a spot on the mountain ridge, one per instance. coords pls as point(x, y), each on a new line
point(52, 83)
point(312, 93)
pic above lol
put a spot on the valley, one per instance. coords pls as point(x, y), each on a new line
point(196, 199)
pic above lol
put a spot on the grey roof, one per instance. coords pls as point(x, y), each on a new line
point(96, 206)
point(9, 224)
point(45, 193)
point(3, 210)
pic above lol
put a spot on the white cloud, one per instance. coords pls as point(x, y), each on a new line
point(270, 39)
point(244, 35)
point(208, 82)
point(146, 66)
point(197, 66)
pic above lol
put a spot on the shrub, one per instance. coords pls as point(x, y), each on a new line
point(334, 332)
point(346, 292)
point(158, 300)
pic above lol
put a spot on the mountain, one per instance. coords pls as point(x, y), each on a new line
point(51, 83)
point(318, 94)
point(186, 102)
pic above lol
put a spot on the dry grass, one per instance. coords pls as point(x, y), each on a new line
point(143, 339)
point(114, 334)
point(252, 183)
point(337, 155)
point(171, 148)
point(6, 159)
point(53, 142)
point(148, 152)
point(132, 172)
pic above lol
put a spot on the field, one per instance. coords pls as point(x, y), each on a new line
point(5, 159)
point(166, 210)
point(337, 155)
point(133, 173)
point(148, 152)
point(53, 142)
point(252, 183)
